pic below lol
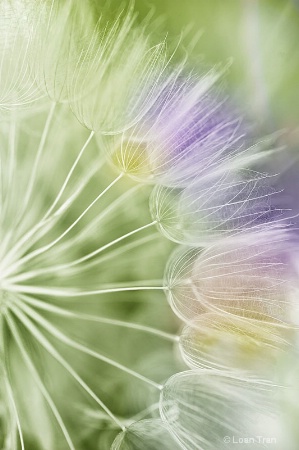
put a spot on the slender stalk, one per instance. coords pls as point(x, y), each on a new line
point(11, 397)
point(8, 190)
point(118, 323)
point(45, 225)
point(99, 218)
point(9, 389)
point(42, 222)
point(40, 150)
point(58, 268)
point(47, 247)
point(106, 246)
point(82, 348)
point(56, 292)
point(142, 414)
point(56, 355)
point(38, 380)
point(11, 168)
point(69, 175)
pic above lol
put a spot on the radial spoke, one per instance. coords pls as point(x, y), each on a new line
point(47, 247)
point(78, 270)
point(65, 292)
point(9, 387)
point(68, 177)
point(56, 355)
point(38, 380)
point(81, 316)
point(37, 159)
point(82, 348)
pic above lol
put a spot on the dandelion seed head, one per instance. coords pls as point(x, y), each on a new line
point(17, 83)
point(212, 406)
point(116, 75)
point(185, 132)
point(214, 207)
point(61, 33)
point(81, 254)
point(49, 268)
point(247, 279)
point(212, 341)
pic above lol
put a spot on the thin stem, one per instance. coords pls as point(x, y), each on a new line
point(120, 251)
point(61, 236)
point(83, 258)
point(11, 168)
point(11, 396)
point(99, 218)
point(106, 246)
point(59, 267)
point(82, 348)
point(119, 323)
point(56, 355)
point(142, 414)
point(43, 221)
point(38, 380)
point(56, 292)
point(8, 384)
point(37, 159)
point(11, 435)
point(69, 174)
point(32, 236)
point(7, 195)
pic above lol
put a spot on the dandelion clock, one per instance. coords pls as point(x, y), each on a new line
point(147, 288)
